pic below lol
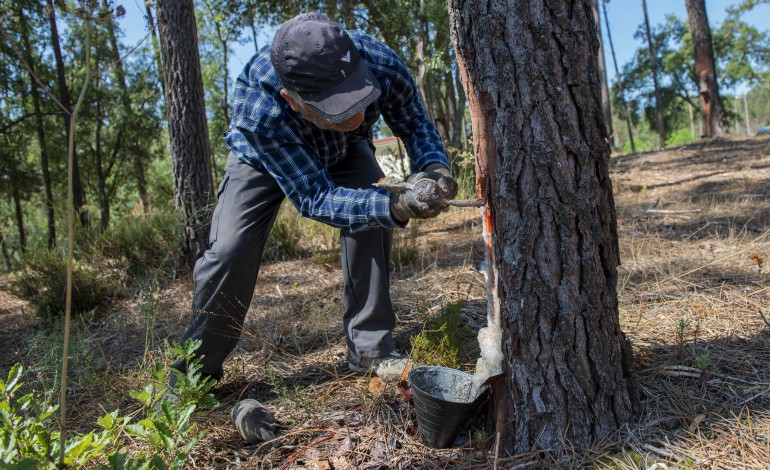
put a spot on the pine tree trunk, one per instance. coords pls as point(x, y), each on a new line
point(606, 105)
point(40, 128)
point(705, 71)
point(422, 68)
point(187, 126)
point(19, 212)
point(78, 193)
point(542, 161)
point(654, 67)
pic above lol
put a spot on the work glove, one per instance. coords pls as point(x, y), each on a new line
point(406, 206)
point(441, 175)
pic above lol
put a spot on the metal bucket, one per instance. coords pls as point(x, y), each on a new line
point(444, 399)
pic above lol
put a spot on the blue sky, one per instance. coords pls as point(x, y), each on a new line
point(624, 15)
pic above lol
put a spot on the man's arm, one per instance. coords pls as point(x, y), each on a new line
point(309, 187)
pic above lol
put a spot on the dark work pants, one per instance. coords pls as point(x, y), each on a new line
point(226, 274)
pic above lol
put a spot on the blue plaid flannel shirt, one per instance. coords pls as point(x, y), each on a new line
point(267, 134)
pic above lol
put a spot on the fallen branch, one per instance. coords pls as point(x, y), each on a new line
point(671, 211)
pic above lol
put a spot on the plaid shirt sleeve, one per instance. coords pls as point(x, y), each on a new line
point(402, 109)
point(309, 187)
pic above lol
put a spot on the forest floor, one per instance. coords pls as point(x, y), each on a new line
point(694, 230)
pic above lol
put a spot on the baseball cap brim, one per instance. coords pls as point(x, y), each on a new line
point(346, 99)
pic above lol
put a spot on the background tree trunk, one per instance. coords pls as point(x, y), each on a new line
point(187, 127)
point(705, 71)
point(128, 112)
point(622, 93)
point(156, 45)
point(530, 77)
point(422, 68)
point(654, 67)
point(78, 193)
point(40, 127)
point(606, 105)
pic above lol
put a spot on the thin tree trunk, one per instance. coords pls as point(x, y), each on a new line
point(606, 105)
point(156, 44)
point(461, 110)
point(40, 128)
point(347, 10)
point(78, 194)
point(129, 117)
point(550, 226)
point(746, 113)
point(253, 27)
point(422, 68)
point(19, 212)
point(654, 67)
point(617, 78)
point(187, 126)
point(6, 256)
point(692, 121)
point(101, 183)
point(705, 68)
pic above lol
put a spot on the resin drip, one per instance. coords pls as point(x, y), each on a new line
point(491, 336)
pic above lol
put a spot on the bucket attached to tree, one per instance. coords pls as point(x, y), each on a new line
point(444, 399)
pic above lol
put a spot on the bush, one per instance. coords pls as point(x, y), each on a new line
point(145, 243)
point(42, 282)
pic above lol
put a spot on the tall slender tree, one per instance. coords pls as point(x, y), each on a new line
point(619, 82)
point(187, 127)
point(530, 75)
point(30, 62)
point(79, 194)
point(606, 105)
point(654, 68)
point(705, 68)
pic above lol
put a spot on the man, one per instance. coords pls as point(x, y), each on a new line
point(302, 118)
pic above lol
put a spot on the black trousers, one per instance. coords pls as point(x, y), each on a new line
point(226, 274)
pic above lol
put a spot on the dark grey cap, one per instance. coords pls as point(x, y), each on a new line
point(314, 57)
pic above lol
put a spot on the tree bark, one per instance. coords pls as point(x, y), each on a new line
point(530, 77)
point(40, 128)
point(128, 113)
point(705, 69)
point(606, 105)
point(617, 78)
point(422, 68)
point(78, 193)
point(187, 126)
point(654, 67)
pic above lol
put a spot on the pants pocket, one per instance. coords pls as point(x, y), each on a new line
point(218, 208)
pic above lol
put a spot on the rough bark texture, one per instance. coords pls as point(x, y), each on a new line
point(532, 86)
point(187, 126)
point(606, 106)
point(705, 72)
point(654, 67)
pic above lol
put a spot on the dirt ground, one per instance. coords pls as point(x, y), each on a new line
point(694, 228)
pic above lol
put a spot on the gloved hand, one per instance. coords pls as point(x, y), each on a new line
point(441, 175)
point(406, 206)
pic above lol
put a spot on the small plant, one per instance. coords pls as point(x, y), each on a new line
point(30, 439)
point(682, 328)
point(703, 362)
point(444, 343)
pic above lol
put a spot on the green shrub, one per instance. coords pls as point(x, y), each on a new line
point(443, 342)
point(30, 437)
point(284, 240)
point(42, 282)
point(679, 137)
point(146, 244)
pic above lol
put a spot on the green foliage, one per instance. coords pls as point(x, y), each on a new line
point(283, 242)
point(30, 438)
point(42, 282)
point(678, 137)
point(443, 343)
point(146, 243)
